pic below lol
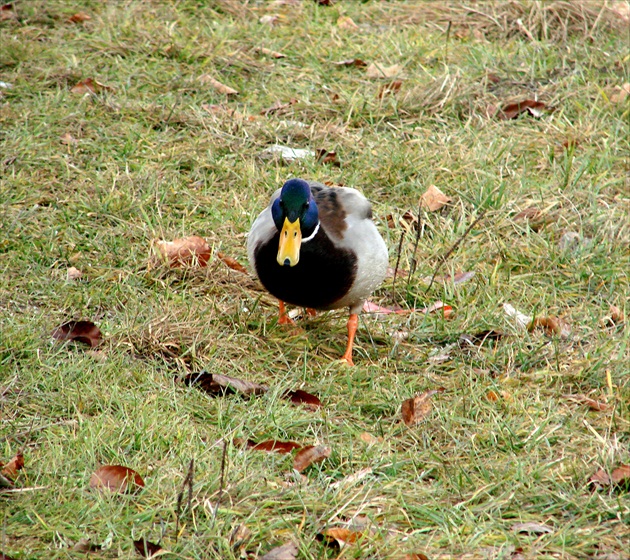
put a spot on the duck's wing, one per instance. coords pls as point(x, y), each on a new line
point(341, 210)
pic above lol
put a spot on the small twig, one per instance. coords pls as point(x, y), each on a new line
point(400, 242)
point(455, 245)
point(188, 483)
point(448, 35)
point(171, 113)
point(221, 482)
point(414, 260)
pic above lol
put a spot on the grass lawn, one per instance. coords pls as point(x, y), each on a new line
point(160, 151)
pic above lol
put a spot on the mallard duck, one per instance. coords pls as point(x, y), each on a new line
point(317, 247)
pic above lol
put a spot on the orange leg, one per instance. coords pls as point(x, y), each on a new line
point(311, 312)
point(353, 323)
point(284, 319)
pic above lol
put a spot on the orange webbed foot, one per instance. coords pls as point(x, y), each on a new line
point(311, 312)
point(283, 317)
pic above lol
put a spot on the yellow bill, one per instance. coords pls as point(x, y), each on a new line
point(290, 241)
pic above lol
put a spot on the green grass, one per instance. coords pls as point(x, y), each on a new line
point(150, 162)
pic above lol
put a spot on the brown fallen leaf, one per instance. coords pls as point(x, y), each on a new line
point(416, 409)
point(239, 536)
point(390, 88)
point(551, 326)
point(231, 262)
point(73, 273)
point(68, 140)
point(269, 52)
point(591, 403)
point(492, 396)
point(89, 85)
point(309, 455)
point(278, 106)
point(345, 22)
point(620, 477)
point(186, 251)
point(207, 79)
point(447, 310)
point(530, 213)
point(531, 527)
point(7, 12)
point(287, 551)
point(620, 93)
point(324, 156)
point(616, 315)
point(529, 106)
point(433, 199)
point(217, 384)
point(415, 556)
point(145, 548)
point(273, 445)
point(369, 438)
point(351, 62)
point(377, 70)
point(479, 338)
point(79, 331)
point(79, 17)
point(84, 545)
point(10, 470)
point(340, 536)
point(116, 478)
point(302, 397)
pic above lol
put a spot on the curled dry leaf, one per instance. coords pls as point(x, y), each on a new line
point(79, 331)
point(447, 310)
point(231, 262)
point(415, 556)
point(377, 70)
point(309, 455)
point(416, 409)
point(390, 88)
point(116, 478)
point(531, 527)
point(269, 52)
point(287, 551)
point(351, 62)
point(620, 93)
point(10, 470)
point(216, 384)
point(433, 199)
point(591, 403)
point(272, 445)
point(551, 326)
point(217, 85)
point(345, 22)
point(186, 251)
point(616, 315)
point(530, 106)
point(68, 140)
point(304, 398)
point(73, 274)
point(89, 86)
point(79, 17)
point(278, 106)
point(145, 548)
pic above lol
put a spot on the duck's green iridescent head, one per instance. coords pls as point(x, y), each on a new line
point(295, 215)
